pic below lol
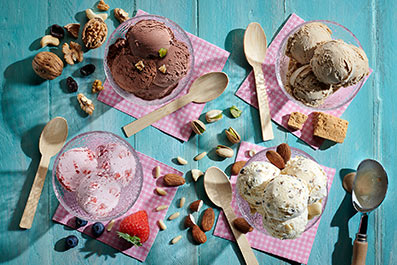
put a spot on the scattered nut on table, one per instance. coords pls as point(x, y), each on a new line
point(47, 65)
point(97, 86)
point(49, 40)
point(224, 151)
point(121, 15)
point(181, 160)
point(72, 53)
point(86, 104)
point(198, 127)
point(232, 135)
point(73, 29)
point(90, 15)
point(213, 115)
point(196, 174)
point(102, 6)
point(94, 33)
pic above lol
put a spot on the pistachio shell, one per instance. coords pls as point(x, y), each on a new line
point(232, 135)
point(224, 151)
point(198, 127)
point(235, 112)
point(213, 115)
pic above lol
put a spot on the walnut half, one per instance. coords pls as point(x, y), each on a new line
point(86, 104)
point(73, 53)
point(94, 33)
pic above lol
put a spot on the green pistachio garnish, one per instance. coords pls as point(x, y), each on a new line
point(162, 52)
point(235, 112)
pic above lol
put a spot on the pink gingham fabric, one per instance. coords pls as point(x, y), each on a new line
point(280, 105)
point(147, 200)
point(297, 249)
point(208, 58)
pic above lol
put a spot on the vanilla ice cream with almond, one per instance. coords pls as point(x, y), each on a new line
point(253, 179)
point(284, 198)
point(288, 229)
point(311, 173)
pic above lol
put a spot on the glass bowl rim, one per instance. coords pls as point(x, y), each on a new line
point(139, 171)
point(136, 100)
point(301, 152)
point(279, 78)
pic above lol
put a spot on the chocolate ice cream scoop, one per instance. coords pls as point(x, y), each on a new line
point(147, 37)
point(129, 77)
point(176, 63)
point(303, 42)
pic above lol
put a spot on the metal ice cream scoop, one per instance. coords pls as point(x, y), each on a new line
point(369, 191)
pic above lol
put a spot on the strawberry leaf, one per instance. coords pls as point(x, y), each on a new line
point(136, 241)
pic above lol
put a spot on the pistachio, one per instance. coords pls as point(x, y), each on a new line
point(198, 127)
point(224, 151)
point(162, 52)
point(232, 135)
point(213, 115)
point(235, 112)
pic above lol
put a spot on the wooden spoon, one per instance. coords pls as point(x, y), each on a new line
point(52, 139)
point(205, 88)
point(219, 191)
point(255, 46)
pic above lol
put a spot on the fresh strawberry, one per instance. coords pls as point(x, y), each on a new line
point(135, 228)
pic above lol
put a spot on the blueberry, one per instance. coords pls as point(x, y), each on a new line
point(97, 229)
point(72, 241)
point(80, 222)
point(72, 84)
point(57, 31)
point(87, 69)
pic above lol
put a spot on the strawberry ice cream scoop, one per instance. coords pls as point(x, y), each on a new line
point(73, 165)
point(98, 194)
point(118, 161)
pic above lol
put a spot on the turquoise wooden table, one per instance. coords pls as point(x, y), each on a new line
point(27, 103)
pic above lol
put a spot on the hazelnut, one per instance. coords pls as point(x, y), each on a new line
point(47, 65)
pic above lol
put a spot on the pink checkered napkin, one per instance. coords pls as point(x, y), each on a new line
point(208, 58)
point(296, 249)
point(147, 201)
point(280, 105)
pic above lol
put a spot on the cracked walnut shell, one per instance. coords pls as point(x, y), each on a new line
point(73, 29)
point(72, 53)
point(86, 104)
point(47, 65)
point(94, 33)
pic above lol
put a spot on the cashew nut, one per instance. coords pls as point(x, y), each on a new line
point(49, 40)
point(90, 14)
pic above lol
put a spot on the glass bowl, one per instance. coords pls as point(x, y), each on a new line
point(129, 194)
point(338, 98)
point(255, 220)
point(180, 35)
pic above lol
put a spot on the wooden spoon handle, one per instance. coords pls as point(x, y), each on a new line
point(359, 252)
point(242, 242)
point(263, 105)
point(35, 193)
point(143, 122)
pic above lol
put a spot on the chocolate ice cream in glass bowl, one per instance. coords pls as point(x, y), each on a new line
point(306, 74)
point(276, 202)
point(97, 176)
point(149, 60)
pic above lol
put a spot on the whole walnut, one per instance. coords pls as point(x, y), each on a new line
point(47, 65)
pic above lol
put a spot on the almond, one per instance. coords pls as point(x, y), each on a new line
point(284, 151)
point(196, 206)
point(275, 159)
point(173, 180)
point(198, 235)
point(237, 166)
point(242, 225)
point(208, 220)
point(189, 221)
